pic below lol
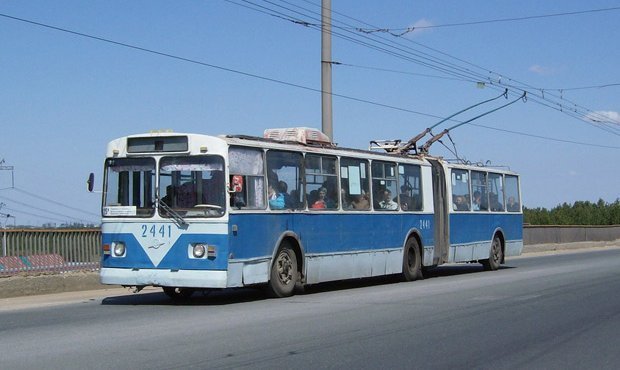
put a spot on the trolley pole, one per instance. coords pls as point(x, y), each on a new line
point(326, 68)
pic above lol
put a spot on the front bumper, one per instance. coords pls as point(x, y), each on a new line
point(164, 277)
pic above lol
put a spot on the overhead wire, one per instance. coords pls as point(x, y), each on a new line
point(18, 212)
point(167, 55)
point(41, 209)
point(513, 19)
point(55, 202)
point(561, 107)
point(220, 67)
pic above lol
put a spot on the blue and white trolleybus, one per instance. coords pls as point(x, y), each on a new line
point(187, 211)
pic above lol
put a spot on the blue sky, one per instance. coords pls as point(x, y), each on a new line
point(65, 96)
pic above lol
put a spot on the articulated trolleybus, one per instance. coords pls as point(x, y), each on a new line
point(189, 212)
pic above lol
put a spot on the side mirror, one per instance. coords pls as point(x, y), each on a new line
point(90, 183)
point(236, 184)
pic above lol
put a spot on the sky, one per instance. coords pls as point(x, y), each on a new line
point(239, 67)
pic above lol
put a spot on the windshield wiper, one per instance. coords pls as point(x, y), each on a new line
point(178, 219)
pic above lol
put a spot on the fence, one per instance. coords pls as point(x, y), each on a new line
point(63, 250)
point(57, 250)
point(547, 234)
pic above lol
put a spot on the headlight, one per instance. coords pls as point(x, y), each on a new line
point(118, 248)
point(199, 250)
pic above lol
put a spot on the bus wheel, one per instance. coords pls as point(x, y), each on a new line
point(178, 294)
point(283, 272)
point(412, 265)
point(495, 257)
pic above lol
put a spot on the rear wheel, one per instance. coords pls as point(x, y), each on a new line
point(495, 256)
point(412, 263)
point(178, 294)
point(283, 272)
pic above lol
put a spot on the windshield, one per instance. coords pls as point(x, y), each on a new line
point(192, 186)
point(129, 187)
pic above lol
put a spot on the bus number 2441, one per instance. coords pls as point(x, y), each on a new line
point(153, 231)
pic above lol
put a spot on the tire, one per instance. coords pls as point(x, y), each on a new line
point(283, 274)
point(496, 255)
point(412, 263)
point(178, 294)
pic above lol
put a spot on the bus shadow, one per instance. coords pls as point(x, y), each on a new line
point(437, 272)
point(199, 298)
point(458, 269)
point(243, 295)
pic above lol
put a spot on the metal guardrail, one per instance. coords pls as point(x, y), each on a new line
point(45, 250)
point(33, 251)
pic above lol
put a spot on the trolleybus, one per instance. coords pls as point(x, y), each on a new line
point(188, 211)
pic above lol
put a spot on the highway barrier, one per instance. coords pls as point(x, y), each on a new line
point(35, 251)
point(29, 251)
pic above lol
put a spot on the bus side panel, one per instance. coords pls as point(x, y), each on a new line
point(336, 245)
point(471, 234)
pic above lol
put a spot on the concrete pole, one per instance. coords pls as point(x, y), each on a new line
point(326, 68)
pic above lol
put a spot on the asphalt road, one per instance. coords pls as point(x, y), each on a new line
point(554, 311)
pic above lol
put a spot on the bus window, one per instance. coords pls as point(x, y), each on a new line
point(496, 192)
point(129, 187)
point(480, 200)
point(410, 196)
point(461, 197)
point(321, 182)
point(192, 186)
point(354, 184)
point(284, 186)
point(384, 186)
point(250, 165)
point(513, 203)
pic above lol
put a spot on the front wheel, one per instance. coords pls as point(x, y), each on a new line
point(283, 272)
point(495, 256)
point(412, 264)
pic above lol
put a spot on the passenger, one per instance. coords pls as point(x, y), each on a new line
point(459, 203)
point(322, 202)
point(406, 203)
point(346, 203)
point(477, 200)
point(387, 203)
point(496, 206)
point(276, 200)
point(283, 189)
point(512, 205)
point(361, 202)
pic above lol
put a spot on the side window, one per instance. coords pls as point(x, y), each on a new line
point(249, 164)
point(354, 184)
point(284, 185)
point(321, 182)
point(513, 202)
point(496, 192)
point(384, 186)
point(461, 197)
point(410, 181)
point(480, 199)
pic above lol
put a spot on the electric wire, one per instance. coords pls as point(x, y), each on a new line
point(239, 72)
point(514, 19)
point(562, 108)
point(55, 202)
point(18, 212)
point(41, 209)
point(167, 55)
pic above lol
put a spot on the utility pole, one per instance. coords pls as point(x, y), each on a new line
point(8, 168)
point(326, 68)
point(4, 229)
